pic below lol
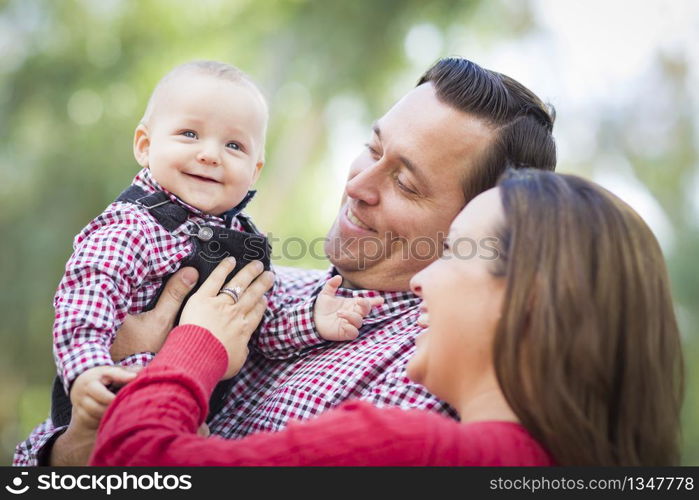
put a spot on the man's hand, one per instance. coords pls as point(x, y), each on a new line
point(339, 318)
point(146, 332)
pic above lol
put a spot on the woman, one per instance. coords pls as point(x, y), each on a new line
point(558, 347)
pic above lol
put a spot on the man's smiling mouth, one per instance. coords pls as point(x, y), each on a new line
point(354, 220)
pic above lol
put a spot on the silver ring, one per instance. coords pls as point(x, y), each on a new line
point(233, 293)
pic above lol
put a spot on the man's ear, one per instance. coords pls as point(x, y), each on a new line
point(141, 145)
point(258, 170)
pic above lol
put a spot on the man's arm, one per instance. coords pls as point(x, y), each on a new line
point(146, 332)
point(72, 447)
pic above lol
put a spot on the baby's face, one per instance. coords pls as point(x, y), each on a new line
point(203, 140)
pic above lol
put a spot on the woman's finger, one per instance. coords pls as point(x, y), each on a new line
point(255, 314)
point(255, 291)
point(214, 282)
point(245, 276)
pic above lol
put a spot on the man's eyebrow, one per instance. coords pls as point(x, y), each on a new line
point(405, 161)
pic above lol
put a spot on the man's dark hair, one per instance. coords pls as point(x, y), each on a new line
point(521, 122)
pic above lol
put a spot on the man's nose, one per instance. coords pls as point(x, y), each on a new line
point(364, 184)
point(209, 155)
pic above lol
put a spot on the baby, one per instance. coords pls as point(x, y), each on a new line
point(201, 145)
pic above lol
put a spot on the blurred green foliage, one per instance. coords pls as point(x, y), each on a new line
point(75, 77)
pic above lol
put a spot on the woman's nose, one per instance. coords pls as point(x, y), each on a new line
point(416, 284)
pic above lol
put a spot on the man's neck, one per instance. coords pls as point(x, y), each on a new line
point(346, 283)
point(368, 280)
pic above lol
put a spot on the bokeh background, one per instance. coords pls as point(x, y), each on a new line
point(75, 77)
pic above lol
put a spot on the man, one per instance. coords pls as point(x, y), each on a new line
point(443, 143)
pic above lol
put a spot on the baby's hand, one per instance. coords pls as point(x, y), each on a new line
point(90, 396)
point(339, 318)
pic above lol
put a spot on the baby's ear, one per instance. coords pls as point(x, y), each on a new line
point(258, 170)
point(141, 145)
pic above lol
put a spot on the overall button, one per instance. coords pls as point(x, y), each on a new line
point(205, 233)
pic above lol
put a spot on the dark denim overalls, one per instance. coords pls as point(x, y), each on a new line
point(211, 246)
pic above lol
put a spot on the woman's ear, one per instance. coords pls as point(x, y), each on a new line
point(141, 145)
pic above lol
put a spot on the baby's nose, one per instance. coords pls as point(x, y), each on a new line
point(208, 157)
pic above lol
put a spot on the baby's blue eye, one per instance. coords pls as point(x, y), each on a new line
point(233, 145)
point(189, 133)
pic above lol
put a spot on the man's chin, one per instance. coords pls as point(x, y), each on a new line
point(348, 257)
point(347, 265)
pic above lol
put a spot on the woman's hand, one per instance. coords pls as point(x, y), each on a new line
point(230, 321)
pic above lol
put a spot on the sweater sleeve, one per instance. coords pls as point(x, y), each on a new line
point(154, 419)
point(153, 422)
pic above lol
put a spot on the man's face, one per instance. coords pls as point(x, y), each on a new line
point(404, 190)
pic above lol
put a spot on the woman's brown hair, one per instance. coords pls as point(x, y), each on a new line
point(587, 351)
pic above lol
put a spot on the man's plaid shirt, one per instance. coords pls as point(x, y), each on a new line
point(292, 373)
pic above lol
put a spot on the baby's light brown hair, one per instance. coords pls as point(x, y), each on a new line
point(216, 69)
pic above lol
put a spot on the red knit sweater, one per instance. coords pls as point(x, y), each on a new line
point(153, 422)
